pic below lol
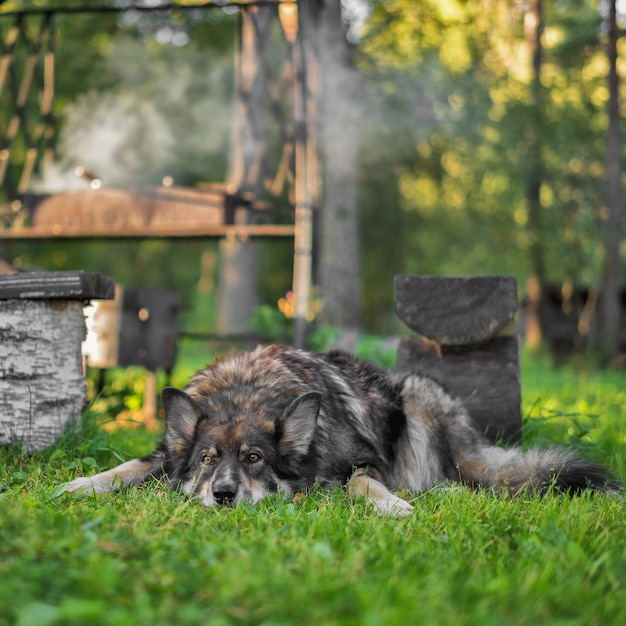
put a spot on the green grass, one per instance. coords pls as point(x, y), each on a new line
point(150, 556)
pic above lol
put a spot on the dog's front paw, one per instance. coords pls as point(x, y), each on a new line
point(393, 506)
point(85, 485)
point(385, 502)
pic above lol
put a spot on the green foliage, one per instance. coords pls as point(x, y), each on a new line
point(153, 263)
point(150, 556)
point(454, 131)
point(322, 337)
point(460, 128)
point(268, 320)
point(374, 349)
point(577, 405)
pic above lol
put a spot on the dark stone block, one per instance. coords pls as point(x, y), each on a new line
point(486, 379)
point(77, 285)
point(456, 310)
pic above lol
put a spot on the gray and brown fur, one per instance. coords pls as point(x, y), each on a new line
point(280, 419)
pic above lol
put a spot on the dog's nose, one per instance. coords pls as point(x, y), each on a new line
point(224, 493)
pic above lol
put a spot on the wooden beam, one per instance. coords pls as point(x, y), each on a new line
point(110, 213)
point(183, 231)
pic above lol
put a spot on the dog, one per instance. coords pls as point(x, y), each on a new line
point(278, 419)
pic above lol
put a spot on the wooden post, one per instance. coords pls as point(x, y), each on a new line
point(42, 327)
point(303, 237)
point(462, 321)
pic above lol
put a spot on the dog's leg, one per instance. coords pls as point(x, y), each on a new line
point(385, 502)
point(126, 475)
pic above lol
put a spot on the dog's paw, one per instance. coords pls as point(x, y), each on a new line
point(85, 485)
point(127, 474)
point(392, 506)
point(385, 502)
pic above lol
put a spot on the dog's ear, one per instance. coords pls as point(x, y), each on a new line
point(181, 416)
point(297, 424)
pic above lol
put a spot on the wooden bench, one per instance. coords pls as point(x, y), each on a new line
point(466, 344)
point(42, 327)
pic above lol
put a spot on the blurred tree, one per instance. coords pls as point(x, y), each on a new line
point(341, 121)
point(536, 282)
point(506, 168)
point(471, 159)
point(435, 86)
point(610, 303)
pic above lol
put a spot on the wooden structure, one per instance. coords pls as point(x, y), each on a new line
point(464, 343)
point(150, 212)
point(266, 195)
point(42, 327)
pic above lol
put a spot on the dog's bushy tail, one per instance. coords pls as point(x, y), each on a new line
point(439, 422)
point(514, 470)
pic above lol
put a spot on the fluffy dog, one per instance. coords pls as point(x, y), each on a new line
point(280, 419)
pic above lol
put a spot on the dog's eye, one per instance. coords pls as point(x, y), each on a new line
point(253, 457)
point(206, 459)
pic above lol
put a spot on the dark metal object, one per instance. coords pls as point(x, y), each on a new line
point(148, 328)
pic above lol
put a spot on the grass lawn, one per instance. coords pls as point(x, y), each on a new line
point(149, 556)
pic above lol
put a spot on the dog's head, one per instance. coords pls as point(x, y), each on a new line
point(225, 450)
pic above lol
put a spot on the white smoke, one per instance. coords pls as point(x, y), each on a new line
point(168, 113)
point(355, 14)
point(120, 137)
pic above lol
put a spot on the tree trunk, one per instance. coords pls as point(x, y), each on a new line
point(341, 114)
point(536, 282)
point(487, 379)
point(609, 314)
point(237, 292)
point(239, 260)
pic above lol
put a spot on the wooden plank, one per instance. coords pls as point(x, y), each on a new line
point(189, 231)
point(487, 379)
point(56, 285)
point(456, 310)
point(210, 211)
point(118, 209)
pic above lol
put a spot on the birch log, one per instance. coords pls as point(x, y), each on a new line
point(42, 388)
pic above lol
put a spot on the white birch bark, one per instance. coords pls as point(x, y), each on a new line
point(42, 387)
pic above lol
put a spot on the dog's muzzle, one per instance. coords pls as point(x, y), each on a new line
point(224, 492)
